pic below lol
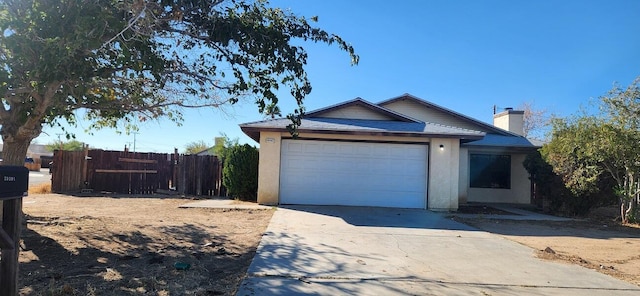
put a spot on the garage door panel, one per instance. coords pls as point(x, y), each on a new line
point(349, 173)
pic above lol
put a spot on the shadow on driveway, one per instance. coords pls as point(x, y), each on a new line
point(385, 217)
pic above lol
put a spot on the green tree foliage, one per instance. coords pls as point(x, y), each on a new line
point(552, 194)
point(223, 144)
point(587, 148)
point(72, 145)
point(195, 147)
point(240, 173)
point(131, 61)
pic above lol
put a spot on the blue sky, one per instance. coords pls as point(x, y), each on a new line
point(462, 55)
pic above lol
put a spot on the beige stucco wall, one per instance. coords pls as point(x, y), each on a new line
point(443, 174)
point(520, 192)
point(510, 120)
point(463, 176)
point(269, 168)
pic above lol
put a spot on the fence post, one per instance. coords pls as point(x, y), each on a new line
point(11, 224)
point(85, 162)
point(182, 178)
point(198, 169)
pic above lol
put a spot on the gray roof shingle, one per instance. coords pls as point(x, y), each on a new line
point(361, 126)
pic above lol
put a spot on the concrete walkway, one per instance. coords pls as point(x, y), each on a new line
point(380, 251)
point(518, 214)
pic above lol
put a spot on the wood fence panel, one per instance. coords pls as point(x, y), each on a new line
point(136, 172)
point(67, 172)
point(200, 175)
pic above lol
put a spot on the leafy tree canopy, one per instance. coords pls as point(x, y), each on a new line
point(72, 145)
point(195, 147)
point(585, 148)
point(125, 61)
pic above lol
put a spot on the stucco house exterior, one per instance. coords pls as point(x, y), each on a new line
point(403, 152)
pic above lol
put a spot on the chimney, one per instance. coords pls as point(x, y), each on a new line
point(510, 120)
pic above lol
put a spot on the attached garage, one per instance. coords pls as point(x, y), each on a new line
point(361, 154)
point(348, 173)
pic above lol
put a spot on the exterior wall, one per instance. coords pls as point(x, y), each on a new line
point(421, 112)
point(510, 120)
point(520, 192)
point(443, 174)
point(269, 168)
point(443, 167)
point(355, 112)
point(463, 176)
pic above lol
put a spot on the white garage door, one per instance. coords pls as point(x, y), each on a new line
point(353, 173)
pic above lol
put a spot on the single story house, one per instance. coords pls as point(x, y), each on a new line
point(403, 152)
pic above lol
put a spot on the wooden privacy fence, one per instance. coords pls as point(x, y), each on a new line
point(136, 173)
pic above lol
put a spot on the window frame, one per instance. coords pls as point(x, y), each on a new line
point(494, 178)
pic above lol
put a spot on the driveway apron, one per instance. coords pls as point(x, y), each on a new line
point(324, 250)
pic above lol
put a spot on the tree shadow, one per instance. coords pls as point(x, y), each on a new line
point(113, 262)
point(323, 257)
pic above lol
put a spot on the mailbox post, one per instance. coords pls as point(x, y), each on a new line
point(14, 184)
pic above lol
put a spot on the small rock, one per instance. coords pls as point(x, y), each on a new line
point(549, 250)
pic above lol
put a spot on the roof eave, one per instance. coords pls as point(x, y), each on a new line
point(254, 133)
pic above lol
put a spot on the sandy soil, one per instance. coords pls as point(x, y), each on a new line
point(134, 246)
point(598, 244)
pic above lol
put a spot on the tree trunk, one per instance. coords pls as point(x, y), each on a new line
point(14, 153)
point(630, 213)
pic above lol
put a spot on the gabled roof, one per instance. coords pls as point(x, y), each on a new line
point(461, 116)
point(362, 127)
point(364, 104)
point(392, 123)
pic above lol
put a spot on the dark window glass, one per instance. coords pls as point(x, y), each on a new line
point(490, 171)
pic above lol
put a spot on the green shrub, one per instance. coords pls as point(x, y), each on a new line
point(552, 194)
point(240, 173)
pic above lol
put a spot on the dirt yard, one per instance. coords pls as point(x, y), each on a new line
point(143, 246)
point(134, 246)
point(599, 244)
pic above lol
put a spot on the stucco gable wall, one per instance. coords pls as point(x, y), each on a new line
point(355, 112)
point(423, 113)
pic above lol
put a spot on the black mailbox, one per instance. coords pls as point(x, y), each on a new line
point(14, 182)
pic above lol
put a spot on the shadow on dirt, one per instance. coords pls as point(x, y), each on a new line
point(97, 260)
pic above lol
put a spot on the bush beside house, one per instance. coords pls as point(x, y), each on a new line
point(552, 195)
point(240, 174)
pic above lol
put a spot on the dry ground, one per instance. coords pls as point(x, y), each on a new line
point(596, 243)
point(129, 246)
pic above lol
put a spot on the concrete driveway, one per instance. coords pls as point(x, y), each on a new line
point(322, 250)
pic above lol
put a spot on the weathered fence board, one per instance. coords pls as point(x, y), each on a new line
point(136, 173)
point(67, 172)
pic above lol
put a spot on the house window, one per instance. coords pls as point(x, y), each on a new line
point(490, 171)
